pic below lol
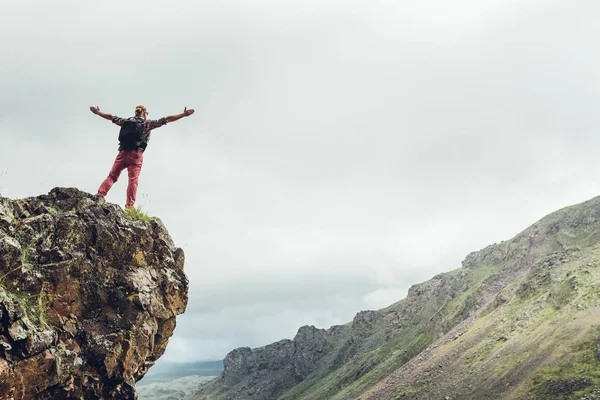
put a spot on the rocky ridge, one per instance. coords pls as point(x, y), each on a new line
point(88, 297)
point(519, 320)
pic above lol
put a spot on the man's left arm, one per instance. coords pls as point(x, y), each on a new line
point(185, 113)
point(151, 124)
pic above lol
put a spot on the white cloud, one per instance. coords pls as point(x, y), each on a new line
point(340, 151)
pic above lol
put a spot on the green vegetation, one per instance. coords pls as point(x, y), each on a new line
point(27, 254)
point(576, 374)
point(137, 214)
point(33, 312)
point(119, 293)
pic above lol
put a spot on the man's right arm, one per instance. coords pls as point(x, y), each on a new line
point(96, 110)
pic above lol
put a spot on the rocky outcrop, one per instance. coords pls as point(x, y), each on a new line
point(88, 297)
point(267, 372)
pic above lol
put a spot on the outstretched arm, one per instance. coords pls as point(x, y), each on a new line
point(185, 113)
point(96, 110)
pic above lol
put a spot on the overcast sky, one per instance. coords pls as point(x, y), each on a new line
point(340, 152)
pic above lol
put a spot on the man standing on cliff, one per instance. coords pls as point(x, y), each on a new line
point(133, 140)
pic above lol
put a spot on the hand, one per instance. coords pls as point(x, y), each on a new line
point(95, 110)
point(187, 112)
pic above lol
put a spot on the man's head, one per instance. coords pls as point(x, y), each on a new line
point(140, 111)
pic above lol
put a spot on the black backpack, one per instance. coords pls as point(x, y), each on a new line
point(130, 135)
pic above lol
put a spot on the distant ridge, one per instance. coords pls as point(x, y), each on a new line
point(167, 371)
point(519, 320)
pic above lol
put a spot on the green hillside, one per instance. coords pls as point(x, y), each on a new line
point(519, 320)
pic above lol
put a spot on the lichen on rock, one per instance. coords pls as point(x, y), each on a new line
point(88, 297)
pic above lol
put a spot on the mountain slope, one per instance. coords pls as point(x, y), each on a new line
point(518, 320)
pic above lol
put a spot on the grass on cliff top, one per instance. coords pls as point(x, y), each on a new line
point(137, 214)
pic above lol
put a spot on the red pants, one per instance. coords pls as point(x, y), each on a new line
point(132, 160)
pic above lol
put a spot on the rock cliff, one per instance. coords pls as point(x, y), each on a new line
point(88, 297)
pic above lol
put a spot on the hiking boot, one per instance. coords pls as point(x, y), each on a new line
point(129, 207)
point(99, 198)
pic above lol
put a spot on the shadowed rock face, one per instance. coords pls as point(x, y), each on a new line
point(268, 372)
point(88, 298)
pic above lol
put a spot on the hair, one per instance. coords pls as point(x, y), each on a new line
point(139, 111)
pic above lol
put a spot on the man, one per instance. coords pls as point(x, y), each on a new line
point(131, 153)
